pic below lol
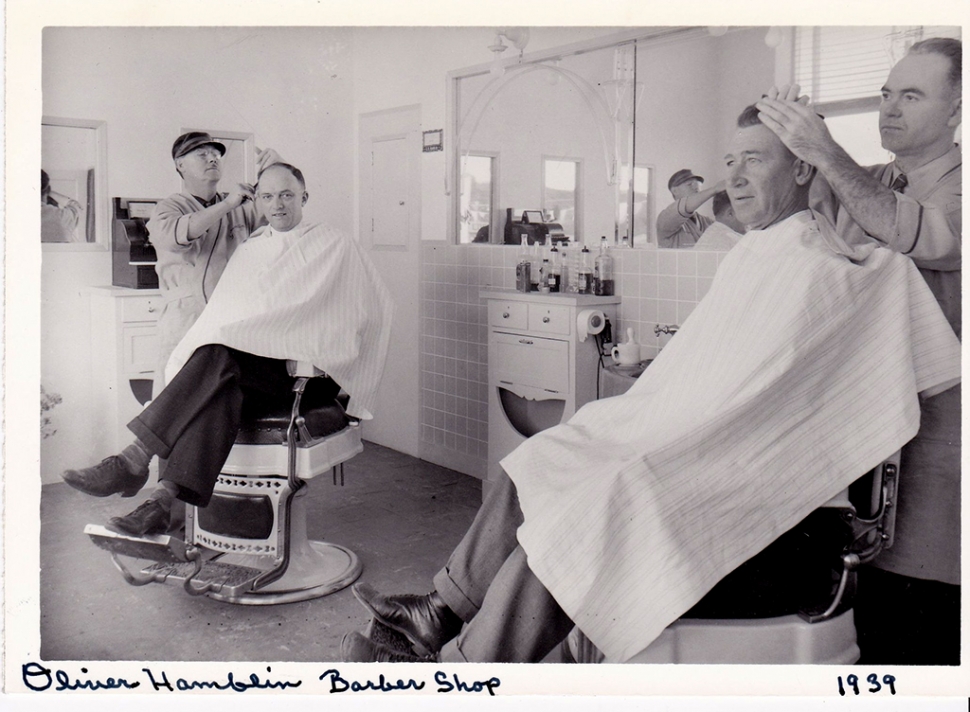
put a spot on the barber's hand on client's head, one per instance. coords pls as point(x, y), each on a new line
point(792, 118)
point(266, 157)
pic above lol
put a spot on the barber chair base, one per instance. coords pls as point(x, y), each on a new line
point(785, 640)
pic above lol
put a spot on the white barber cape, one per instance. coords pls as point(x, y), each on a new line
point(795, 375)
point(309, 294)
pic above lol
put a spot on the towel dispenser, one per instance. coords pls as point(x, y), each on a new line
point(132, 253)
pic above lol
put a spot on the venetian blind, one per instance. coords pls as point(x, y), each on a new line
point(843, 63)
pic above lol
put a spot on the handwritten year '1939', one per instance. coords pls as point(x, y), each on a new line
point(853, 682)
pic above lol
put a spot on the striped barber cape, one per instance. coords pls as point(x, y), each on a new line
point(309, 294)
point(797, 373)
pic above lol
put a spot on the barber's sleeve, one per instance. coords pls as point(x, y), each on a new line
point(169, 226)
point(671, 219)
point(929, 232)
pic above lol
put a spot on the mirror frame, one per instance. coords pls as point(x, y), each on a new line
point(453, 137)
point(102, 214)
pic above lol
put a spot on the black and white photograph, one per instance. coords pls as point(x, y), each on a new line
point(372, 346)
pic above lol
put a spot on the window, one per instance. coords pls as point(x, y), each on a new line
point(560, 194)
point(478, 180)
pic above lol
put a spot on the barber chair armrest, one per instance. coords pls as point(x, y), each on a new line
point(303, 369)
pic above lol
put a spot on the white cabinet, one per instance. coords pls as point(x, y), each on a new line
point(539, 372)
point(125, 347)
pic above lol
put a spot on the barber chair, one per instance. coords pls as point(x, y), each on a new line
point(792, 602)
point(250, 544)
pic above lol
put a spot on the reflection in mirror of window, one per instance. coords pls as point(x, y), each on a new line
point(560, 194)
point(477, 184)
point(643, 219)
point(858, 134)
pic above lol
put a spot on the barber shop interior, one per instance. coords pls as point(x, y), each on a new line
point(501, 344)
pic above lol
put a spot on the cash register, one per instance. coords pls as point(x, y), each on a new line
point(132, 253)
point(532, 224)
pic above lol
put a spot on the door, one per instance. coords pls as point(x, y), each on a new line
point(389, 153)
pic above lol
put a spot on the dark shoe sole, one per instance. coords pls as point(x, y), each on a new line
point(130, 491)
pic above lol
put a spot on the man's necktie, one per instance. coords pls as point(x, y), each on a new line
point(900, 183)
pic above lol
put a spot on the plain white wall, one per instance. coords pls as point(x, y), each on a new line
point(291, 87)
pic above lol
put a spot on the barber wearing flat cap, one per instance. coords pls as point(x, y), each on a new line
point(679, 225)
point(195, 232)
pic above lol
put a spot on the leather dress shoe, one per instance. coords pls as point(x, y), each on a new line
point(425, 620)
point(111, 475)
point(150, 517)
point(355, 648)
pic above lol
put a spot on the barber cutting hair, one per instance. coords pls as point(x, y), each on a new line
point(909, 606)
point(195, 233)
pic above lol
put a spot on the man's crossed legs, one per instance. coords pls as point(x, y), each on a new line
point(508, 615)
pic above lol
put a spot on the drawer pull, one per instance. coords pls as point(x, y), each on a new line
point(507, 383)
point(545, 320)
point(505, 315)
point(151, 310)
point(528, 342)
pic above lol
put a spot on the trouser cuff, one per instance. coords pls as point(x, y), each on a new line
point(453, 596)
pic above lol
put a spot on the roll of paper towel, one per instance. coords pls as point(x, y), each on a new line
point(589, 321)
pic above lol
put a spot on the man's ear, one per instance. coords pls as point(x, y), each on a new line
point(305, 196)
point(956, 113)
point(804, 172)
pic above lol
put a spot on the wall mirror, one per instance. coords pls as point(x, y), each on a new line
point(590, 134)
point(74, 200)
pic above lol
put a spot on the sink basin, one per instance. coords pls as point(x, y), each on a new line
point(632, 371)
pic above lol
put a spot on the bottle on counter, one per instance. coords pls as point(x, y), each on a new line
point(555, 269)
point(523, 268)
point(535, 275)
point(584, 276)
point(625, 241)
point(545, 273)
point(603, 273)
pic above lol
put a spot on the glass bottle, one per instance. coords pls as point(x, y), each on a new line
point(584, 276)
point(555, 269)
point(544, 273)
point(603, 279)
point(535, 275)
point(523, 268)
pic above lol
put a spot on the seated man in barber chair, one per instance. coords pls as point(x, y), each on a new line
point(795, 375)
point(292, 291)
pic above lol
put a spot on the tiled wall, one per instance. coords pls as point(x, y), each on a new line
point(656, 286)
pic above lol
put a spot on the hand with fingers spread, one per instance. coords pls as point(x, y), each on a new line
point(795, 122)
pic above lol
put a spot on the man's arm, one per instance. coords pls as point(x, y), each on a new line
point(196, 224)
point(927, 232)
point(677, 213)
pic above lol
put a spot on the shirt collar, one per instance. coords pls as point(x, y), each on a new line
point(932, 171)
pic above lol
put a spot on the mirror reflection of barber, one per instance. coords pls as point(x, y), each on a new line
point(195, 233)
point(679, 224)
point(59, 214)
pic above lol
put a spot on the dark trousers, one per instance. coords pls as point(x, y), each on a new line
point(510, 616)
point(194, 420)
point(906, 621)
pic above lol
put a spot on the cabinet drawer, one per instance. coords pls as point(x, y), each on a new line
point(530, 361)
point(141, 308)
point(510, 315)
point(547, 319)
point(141, 347)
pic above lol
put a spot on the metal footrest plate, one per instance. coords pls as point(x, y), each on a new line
point(229, 579)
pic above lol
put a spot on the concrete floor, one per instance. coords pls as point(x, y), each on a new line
point(400, 515)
